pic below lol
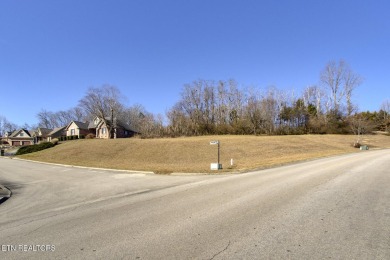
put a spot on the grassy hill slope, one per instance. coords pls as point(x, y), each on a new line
point(194, 154)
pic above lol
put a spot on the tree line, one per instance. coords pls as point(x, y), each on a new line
point(210, 107)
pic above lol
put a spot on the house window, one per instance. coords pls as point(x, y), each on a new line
point(103, 130)
point(72, 132)
point(21, 134)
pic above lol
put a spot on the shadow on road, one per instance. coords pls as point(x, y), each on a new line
point(3, 200)
point(5, 193)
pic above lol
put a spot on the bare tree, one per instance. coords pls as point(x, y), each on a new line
point(47, 119)
point(332, 77)
point(314, 95)
point(341, 81)
point(143, 122)
point(179, 122)
point(2, 130)
point(207, 107)
point(236, 102)
point(351, 82)
point(50, 120)
point(103, 102)
point(134, 115)
point(198, 103)
point(77, 113)
point(63, 118)
point(6, 126)
point(385, 107)
point(360, 125)
point(254, 111)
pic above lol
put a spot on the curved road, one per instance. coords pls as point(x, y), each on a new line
point(336, 207)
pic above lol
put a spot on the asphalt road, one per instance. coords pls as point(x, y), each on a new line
point(333, 208)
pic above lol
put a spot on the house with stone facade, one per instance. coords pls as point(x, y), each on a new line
point(100, 128)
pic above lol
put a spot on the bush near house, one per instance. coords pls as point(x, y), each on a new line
point(34, 148)
point(71, 137)
point(90, 136)
point(54, 141)
point(65, 138)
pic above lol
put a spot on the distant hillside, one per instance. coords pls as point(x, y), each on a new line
point(194, 154)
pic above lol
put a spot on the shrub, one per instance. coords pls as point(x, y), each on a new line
point(71, 137)
point(54, 141)
point(34, 148)
point(90, 136)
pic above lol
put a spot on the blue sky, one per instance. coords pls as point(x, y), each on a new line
point(52, 51)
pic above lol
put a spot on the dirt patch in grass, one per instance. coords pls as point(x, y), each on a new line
point(194, 154)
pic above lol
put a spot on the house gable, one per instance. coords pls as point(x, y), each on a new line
point(77, 128)
point(94, 123)
point(72, 129)
point(102, 130)
point(22, 133)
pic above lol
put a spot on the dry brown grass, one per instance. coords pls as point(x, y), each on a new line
point(194, 154)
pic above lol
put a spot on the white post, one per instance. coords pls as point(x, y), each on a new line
point(218, 165)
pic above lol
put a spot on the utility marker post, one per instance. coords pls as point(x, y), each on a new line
point(216, 166)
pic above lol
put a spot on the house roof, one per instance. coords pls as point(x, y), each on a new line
point(16, 132)
point(126, 126)
point(56, 130)
point(79, 124)
point(92, 125)
point(118, 123)
point(44, 131)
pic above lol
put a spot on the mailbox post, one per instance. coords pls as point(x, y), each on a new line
point(216, 166)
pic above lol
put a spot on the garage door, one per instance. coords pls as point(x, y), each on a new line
point(26, 143)
point(15, 143)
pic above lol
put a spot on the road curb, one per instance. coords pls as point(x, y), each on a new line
point(243, 171)
point(86, 167)
point(4, 192)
